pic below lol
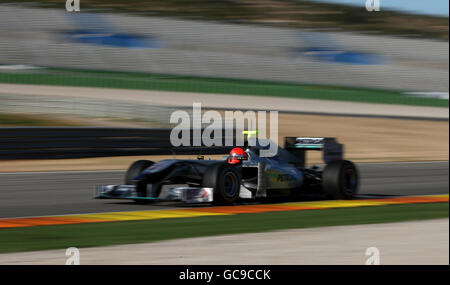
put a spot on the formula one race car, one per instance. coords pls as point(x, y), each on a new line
point(243, 174)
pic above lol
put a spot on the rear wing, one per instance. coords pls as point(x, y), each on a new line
point(331, 149)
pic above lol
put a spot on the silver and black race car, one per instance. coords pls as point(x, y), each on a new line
point(242, 175)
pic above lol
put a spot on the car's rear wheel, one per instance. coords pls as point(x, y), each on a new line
point(225, 180)
point(134, 170)
point(340, 180)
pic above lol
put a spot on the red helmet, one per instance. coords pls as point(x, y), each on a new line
point(237, 155)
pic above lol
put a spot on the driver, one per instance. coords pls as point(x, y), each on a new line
point(237, 155)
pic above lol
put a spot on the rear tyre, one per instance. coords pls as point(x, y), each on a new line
point(225, 180)
point(134, 170)
point(340, 180)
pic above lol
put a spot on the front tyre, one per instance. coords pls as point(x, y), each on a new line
point(134, 170)
point(340, 180)
point(225, 180)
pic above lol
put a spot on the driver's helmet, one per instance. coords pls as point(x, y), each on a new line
point(237, 155)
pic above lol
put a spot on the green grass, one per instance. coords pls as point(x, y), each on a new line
point(88, 235)
point(146, 81)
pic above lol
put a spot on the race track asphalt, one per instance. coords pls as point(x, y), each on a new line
point(55, 193)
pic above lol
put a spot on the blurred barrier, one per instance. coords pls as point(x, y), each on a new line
point(78, 142)
point(111, 41)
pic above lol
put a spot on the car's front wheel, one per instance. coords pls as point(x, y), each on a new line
point(225, 180)
point(134, 170)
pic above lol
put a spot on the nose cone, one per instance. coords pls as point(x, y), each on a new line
point(140, 178)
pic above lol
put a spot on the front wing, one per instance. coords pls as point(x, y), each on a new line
point(184, 194)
